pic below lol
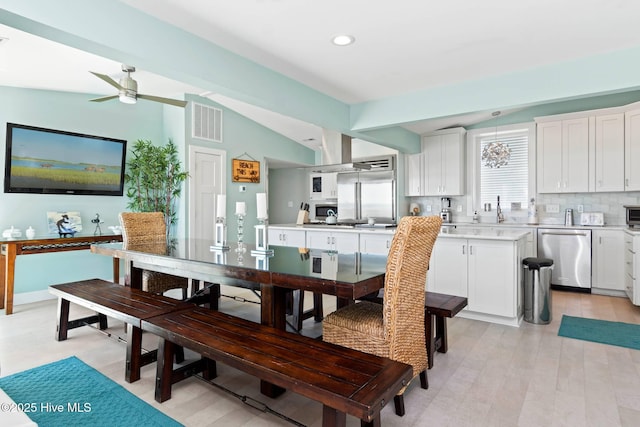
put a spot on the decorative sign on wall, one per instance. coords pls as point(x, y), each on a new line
point(245, 170)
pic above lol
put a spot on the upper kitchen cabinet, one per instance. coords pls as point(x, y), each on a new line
point(323, 186)
point(632, 150)
point(563, 156)
point(443, 162)
point(607, 161)
point(414, 174)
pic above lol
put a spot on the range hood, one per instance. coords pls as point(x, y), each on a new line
point(336, 154)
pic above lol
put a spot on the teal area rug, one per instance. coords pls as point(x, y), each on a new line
point(71, 393)
point(602, 331)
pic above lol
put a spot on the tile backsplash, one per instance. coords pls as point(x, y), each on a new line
point(611, 204)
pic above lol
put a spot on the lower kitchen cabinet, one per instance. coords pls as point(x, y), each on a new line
point(607, 261)
point(632, 266)
point(333, 241)
point(487, 272)
point(375, 244)
point(287, 237)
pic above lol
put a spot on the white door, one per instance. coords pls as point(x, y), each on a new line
point(207, 172)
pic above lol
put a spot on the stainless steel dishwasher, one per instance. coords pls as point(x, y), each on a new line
point(570, 250)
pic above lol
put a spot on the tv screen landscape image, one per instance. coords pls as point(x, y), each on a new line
point(48, 161)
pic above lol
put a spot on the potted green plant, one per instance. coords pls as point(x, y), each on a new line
point(154, 178)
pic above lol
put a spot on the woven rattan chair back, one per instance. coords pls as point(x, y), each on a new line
point(146, 232)
point(405, 278)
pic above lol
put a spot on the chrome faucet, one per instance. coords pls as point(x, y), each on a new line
point(499, 215)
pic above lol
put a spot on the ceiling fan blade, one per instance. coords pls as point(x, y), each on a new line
point(169, 101)
point(104, 98)
point(108, 80)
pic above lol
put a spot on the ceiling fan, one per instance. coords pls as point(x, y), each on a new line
point(128, 90)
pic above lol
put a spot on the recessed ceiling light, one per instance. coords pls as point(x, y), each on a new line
point(343, 40)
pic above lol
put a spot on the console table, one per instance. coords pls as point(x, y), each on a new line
point(9, 249)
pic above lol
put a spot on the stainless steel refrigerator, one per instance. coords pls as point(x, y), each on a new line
point(364, 195)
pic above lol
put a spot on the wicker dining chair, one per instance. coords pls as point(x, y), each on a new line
point(394, 329)
point(146, 232)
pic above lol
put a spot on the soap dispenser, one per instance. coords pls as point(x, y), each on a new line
point(476, 217)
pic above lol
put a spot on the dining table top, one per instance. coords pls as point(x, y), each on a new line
point(200, 258)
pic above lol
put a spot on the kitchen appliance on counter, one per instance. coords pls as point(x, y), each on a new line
point(592, 218)
point(445, 211)
point(568, 217)
point(364, 195)
point(633, 215)
point(570, 250)
point(321, 211)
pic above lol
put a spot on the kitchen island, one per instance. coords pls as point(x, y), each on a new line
point(480, 263)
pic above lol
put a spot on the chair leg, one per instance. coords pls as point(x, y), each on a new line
point(318, 312)
point(424, 381)
point(398, 400)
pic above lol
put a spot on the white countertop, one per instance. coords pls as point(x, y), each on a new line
point(482, 233)
point(346, 229)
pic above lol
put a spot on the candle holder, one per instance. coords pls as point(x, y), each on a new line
point(262, 238)
point(220, 238)
point(241, 248)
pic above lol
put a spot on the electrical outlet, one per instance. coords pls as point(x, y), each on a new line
point(552, 208)
point(459, 208)
point(428, 208)
point(289, 204)
point(243, 188)
point(580, 208)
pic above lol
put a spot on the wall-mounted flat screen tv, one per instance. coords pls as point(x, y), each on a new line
point(48, 161)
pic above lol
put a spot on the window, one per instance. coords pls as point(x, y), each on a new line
point(513, 181)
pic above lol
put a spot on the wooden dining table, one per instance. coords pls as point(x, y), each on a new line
point(347, 276)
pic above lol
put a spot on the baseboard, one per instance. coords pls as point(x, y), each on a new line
point(31, 297)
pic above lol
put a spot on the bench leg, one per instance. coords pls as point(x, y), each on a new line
point(373, 423)
point(333, 418)
point(429, 320)
point(441, 333)
point(134, 350)
point(62, 327)
point(164, 370)
point(102, 319)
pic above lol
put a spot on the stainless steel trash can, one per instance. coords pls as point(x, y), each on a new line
point(537, 290)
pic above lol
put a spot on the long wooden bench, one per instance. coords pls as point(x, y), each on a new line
point(345, 381)
point(120, 302)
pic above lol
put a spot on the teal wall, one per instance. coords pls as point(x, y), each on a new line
point(144, 120)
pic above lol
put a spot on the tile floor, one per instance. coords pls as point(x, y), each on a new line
point(492, 375)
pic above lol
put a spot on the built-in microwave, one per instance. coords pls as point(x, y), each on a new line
point(322, 211)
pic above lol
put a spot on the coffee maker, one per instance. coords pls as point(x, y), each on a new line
point(445, 212)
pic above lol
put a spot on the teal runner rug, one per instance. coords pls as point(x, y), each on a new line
point(71, 393)
point(602, 331)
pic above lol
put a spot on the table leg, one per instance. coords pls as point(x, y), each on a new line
point(63, 319)
point(135, 277)
point(9, 276)
point(116, 270)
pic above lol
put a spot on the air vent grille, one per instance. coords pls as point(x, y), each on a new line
point(207, 122)
point(378, 163)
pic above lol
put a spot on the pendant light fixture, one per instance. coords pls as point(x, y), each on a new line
point(496, 154)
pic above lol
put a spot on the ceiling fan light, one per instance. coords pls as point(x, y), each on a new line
point(127, 99)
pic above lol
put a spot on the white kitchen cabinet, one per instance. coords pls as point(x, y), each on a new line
point(447, 272)
point(607, 260)
point(493, 277)
point(632, 266)
point(444, 163)
point(486, 271)
point(608, 159)
point(375, 243)
point(287, 237)
point(323, 186)
point(414, 174)
point(632, 150)
point(329, 240)
point(563, 156)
